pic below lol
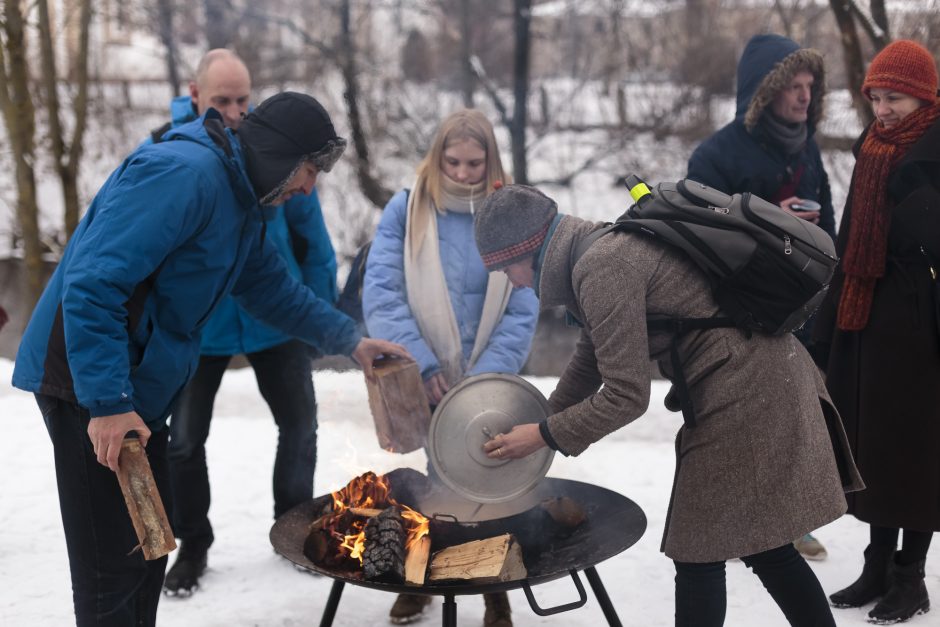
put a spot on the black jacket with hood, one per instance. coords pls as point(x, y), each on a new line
point(742, 157)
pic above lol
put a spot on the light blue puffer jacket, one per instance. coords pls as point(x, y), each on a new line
point(385, 301)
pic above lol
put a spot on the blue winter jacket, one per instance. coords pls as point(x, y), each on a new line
point(172, 232)
point(299, 233)
point(385, 301)
point(736, 160)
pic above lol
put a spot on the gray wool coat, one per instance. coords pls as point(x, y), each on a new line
point(768, 461)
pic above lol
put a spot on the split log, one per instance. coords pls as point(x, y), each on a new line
point(416, 563)
point(143, 501)
point(384, 556)
point(484, 561)
point(365, 512)
point(399, 405)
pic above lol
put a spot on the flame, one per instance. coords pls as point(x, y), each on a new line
point(419, 527)
point(371, 491)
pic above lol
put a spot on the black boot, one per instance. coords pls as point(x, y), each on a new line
point(906, 597)
point(183, 578)
point(872, 583)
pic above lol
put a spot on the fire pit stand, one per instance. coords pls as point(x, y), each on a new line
point(614, 523)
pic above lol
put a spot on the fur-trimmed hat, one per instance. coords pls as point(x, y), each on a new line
point(768, 64)
point(512, 224)
point(284, 132)
point(904, 66)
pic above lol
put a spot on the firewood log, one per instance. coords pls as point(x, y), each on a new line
point(384, 556)
point(143, 500)
point(399, 405)
point(416, 563)
point(483, 561)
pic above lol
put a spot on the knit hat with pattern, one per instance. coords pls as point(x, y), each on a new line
point(904, 66)
point(512, 225)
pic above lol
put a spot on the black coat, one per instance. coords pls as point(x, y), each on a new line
point(885, 379)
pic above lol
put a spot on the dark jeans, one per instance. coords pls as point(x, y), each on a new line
point(701, 598)
point(283, 375)
point(110, 585)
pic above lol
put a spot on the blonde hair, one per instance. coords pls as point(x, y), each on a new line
point(457, 127)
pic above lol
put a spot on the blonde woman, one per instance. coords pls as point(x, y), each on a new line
point(426, 287)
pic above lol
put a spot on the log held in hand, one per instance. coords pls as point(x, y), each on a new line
point(143, 501)
point(399, 405)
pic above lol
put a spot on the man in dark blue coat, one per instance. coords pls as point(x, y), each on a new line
point(280, 362)
point(769, 149)
point(115, 336)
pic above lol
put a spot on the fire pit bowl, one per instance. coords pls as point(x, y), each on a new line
point(614, 523)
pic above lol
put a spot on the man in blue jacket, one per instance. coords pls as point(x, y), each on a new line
point(281, 363)
point(769, 149)
point(115, 336)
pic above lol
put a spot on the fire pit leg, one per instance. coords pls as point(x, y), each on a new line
point(601, 593)
point(449, 618)
point(329, 612)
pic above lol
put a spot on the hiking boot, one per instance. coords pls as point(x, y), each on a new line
point(811, 548)
point(497, 612)
point(874, 581)
point(408, 608)
point(183, 578)
point(906, 597)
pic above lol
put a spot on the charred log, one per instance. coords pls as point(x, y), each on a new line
point(384, 556)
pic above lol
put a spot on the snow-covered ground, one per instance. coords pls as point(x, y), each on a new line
point(248, 584)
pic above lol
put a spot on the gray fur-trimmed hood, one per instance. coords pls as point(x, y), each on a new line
point(767, 65)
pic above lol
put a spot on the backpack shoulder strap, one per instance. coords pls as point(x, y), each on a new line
point(156, 135)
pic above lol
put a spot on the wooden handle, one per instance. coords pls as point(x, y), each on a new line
point(143, 501)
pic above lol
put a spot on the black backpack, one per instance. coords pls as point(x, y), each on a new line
point(768, 270)
point(350, 299)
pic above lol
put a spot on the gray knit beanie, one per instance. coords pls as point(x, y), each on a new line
point(512, 225)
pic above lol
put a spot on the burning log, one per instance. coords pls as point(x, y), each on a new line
point(384, 556)
point(485, 561)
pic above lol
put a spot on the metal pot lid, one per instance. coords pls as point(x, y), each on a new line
point(470, 414)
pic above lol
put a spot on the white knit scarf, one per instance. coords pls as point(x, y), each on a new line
point(426, 286)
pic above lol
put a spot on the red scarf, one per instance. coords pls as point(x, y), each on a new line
point(867, 247)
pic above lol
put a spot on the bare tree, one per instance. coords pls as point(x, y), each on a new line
point(372, 188)
point(66, 154)
point(522, 26)
point(849, 16)
point(164, 10)
point(19, 116)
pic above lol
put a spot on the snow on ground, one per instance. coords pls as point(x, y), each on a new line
point(248, 584)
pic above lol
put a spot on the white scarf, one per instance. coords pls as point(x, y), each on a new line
point(426, 286)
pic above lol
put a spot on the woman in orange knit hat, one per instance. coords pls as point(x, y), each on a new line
point(877, 333)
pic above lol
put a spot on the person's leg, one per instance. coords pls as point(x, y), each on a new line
point(876, 574)
point(793, 585)
point(907, 594)
point(285, 382)
point(111, 583)
point(189, 474)
point(701, 599)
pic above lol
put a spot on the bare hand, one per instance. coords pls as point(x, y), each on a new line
point(107, 433)
point(368, 349)
point(522, 441)
point(436, 387)
point(809, 216)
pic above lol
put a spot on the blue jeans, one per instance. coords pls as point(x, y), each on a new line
point(110, 585)
point(283, 375)
point(701, 598)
